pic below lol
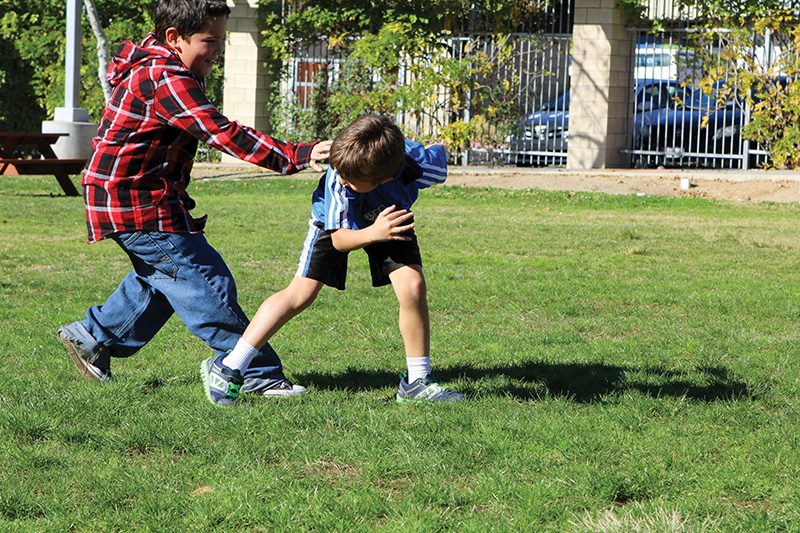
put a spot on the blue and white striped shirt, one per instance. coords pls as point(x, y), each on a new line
point(335, 206)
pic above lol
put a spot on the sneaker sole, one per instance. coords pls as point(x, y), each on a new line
point(206, 386)
point(82, 366)
point(280, 393)
point(424, 401)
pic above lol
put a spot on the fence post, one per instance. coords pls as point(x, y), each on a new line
point(246, 83)
point(601, 86)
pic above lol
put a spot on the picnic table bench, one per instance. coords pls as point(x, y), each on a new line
point(12, 164)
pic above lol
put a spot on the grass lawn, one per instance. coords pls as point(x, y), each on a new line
point(629, 363)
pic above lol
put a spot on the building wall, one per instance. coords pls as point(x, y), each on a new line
point(246, 83)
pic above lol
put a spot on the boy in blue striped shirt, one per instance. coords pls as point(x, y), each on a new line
point(363, 201)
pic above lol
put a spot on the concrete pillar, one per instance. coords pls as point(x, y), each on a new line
point(71, 118)
point(246, 82)
point(601, 87)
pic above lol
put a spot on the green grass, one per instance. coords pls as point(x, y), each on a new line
point(630, 364)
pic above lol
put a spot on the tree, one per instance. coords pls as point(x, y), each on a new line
point(102, 47)
point(32, 37)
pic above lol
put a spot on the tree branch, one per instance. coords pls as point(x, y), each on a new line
point(102, 47)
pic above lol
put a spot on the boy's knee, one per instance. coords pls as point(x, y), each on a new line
point(417, 286)
point(412, 285)
point(301, 295)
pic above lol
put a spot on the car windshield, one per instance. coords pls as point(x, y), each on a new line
point(655, 95)
point(559, 104)
point(701, 100)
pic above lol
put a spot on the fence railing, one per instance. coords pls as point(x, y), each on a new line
point(672, 121)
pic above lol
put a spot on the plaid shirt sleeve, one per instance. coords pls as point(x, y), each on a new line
point(180, 101)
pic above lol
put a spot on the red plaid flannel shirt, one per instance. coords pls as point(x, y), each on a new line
point(137, 176)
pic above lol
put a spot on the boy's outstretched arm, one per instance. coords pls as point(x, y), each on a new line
point(432, 160)
point(389, 226)
point(180, 101)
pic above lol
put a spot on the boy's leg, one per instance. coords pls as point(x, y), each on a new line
point(273, 313)
point(203, 294)
point(181, 272)
point(409, 286)
point(130, 317)
point(320, 264)
point(281, 307)
point(270, 317)
point(408, 283)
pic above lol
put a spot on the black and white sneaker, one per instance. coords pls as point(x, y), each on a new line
point(283, 389)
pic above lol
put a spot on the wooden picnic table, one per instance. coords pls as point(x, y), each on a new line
point(12, 164)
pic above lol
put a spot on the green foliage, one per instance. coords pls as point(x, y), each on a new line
point(305, 20)
point(769, 92)
point(32, 71)
point(400, 58)
point(712, 13)
point(19, 109)
point(775, 112)
point(724, 37)
point(636, 10)
point(735, 13)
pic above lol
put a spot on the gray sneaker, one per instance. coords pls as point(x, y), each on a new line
point(425, 390)
point(283, 389)
point(221, 383)
point(91, 359)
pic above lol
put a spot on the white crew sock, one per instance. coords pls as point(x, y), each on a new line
point(418, 367)
point(240, 357)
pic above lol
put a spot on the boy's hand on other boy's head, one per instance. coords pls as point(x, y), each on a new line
point(389, 226)
point(320, 152)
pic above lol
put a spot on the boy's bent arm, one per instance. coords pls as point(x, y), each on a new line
point(181, 102)
point(389, 226)
point(347, 240)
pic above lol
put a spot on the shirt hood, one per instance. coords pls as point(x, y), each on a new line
point(129, 56)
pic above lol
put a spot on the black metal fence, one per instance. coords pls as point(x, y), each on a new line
point(672, 122)
point(679, 116)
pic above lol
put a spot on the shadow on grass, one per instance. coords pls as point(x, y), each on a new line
point(38, 195)
point(581, 383)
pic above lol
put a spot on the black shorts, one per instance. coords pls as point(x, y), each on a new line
point(322, 262)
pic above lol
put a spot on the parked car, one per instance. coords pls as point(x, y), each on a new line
point(693, 126)
point(544, 134)
point(545, 131)
point(700, 128)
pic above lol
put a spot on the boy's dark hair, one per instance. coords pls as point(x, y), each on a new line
point(369, 150)
point(187, 16)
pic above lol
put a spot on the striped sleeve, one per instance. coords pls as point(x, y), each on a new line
point(337, 205)
point(432, 161)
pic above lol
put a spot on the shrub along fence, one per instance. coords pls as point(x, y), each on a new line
point(704, 95)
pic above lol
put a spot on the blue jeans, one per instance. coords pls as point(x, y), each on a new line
point(184, 274)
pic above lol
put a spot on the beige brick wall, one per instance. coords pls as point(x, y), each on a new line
point(245, 92)
point(600, 88)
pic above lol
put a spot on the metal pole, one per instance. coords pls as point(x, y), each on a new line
point(71, 121)
point(72, 85)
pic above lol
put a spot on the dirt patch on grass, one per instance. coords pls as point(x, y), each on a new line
point(731, 185)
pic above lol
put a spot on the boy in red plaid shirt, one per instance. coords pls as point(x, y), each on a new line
point(135, 193)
